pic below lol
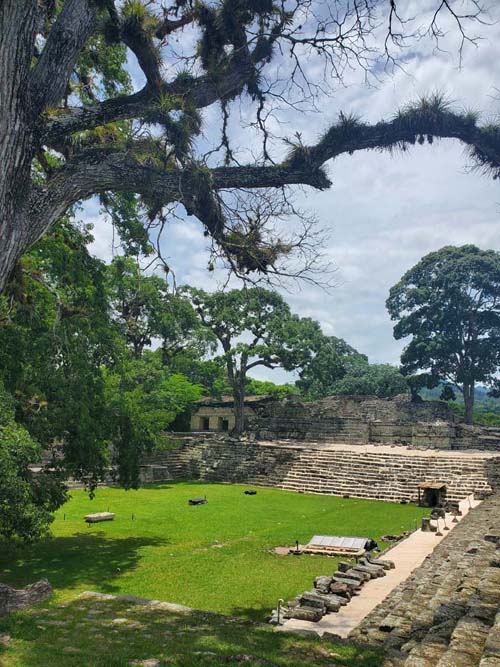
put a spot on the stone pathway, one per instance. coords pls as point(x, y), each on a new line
point(407, 556)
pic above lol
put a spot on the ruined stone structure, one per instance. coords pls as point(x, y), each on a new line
point(446, 614)
point(213, 414)
point(379, 472)
point(12, 599)
point(368, 419)
point(360, 446)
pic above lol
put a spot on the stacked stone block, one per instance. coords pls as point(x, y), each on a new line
point(330, 593)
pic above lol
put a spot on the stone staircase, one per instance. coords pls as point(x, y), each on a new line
point(447, 613)
point(384, 475)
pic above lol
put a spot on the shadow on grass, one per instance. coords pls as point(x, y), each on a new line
point(81, 559)
point(186, 640)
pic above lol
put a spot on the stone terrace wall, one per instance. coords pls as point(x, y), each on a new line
point(446, 614)
point(368, 419)
point(357, 420)
point(385, 476)
point(479, 438)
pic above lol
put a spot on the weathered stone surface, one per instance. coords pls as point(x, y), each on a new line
point(12, 599)
point(353, 584)
point(443, 615)
point(341, 589)
point(99, 516)
point(322, 584)
point(303, 613)
point(372, 571)
point(386, 564)
point(330, 601)
point(312, 600)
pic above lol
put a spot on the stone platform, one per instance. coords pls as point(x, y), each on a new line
point(381, 472)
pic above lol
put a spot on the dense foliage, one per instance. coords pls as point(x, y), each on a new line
point(27, 500)
point(449, 304)
point(78, 376)
point(254, 327)
point(336, 368)
point(486, 407)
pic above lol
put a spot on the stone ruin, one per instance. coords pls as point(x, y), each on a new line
point(447, 613)
point(391, 474)
point(332, 592)
point(12, 599)
point(368, 419)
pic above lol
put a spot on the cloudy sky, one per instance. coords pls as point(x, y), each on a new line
point(383, 212)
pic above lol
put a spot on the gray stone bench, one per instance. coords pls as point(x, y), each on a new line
point(99, 516)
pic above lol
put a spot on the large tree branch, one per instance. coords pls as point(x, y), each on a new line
point(268, 363)
point(51, 74)
point(199, 92)
point(428, 119)
point(99, 170)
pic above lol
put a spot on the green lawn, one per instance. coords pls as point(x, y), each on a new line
point(114, 633)
point(215, 557)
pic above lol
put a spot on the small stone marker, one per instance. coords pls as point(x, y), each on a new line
point(99, 516)
point(427, 526)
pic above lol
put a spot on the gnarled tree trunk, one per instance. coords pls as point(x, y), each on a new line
point(468, 392)
point(17, 35)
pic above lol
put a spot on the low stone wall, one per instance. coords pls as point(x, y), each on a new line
point(479, 438)
point(12, 599)
point(376, 473)
point(447, 613)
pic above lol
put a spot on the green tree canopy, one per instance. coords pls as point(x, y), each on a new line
point(143, 399)
point(331, 361)
point(27, 500)
point(362, 378)
point(254, 328)
point(79, 386)
point(337, 368)
point(449, 304)
point(145, 309)
point(55, 334)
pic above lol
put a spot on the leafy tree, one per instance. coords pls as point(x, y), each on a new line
point(266, 388)
point(254, 328)
point(210, 373)
point(27, 500)
point(362, 378)
point(337, 368)
point(72, 127)
point(146, 309)
point(331, 361)
point(143, 399)
point(449, 303)
point(55, 334)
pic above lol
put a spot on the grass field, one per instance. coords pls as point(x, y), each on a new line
point(215, 557)
point(115, 633)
